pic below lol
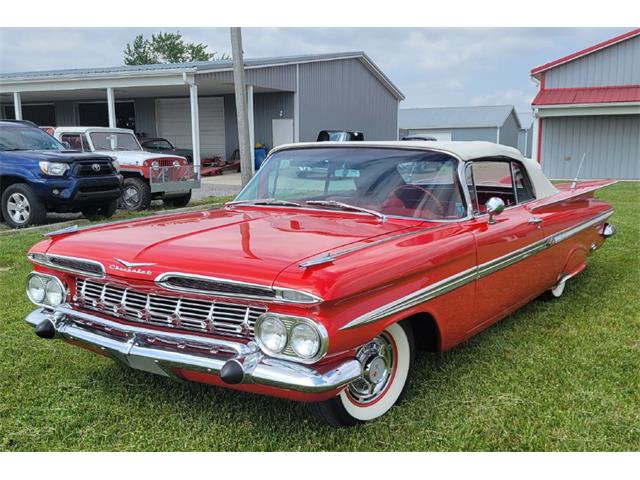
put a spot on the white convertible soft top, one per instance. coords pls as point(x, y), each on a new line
point(465, 151)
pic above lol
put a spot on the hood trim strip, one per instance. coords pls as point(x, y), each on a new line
point(330, 257)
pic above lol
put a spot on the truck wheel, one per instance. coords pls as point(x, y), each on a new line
point(387, 361)
point(136, 194)
point(102, 211)
point(21, 207)
point(177, 202)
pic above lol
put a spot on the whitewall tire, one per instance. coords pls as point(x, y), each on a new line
point(387, 361)
point(558, 290)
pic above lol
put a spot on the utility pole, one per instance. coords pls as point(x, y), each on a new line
point(241, 106)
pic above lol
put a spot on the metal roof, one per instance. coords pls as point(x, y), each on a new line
point(586, 95)
point(456, 117)
point(594, 48)
point(196, 67)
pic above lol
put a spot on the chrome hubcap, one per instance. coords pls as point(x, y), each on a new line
point(378, 360)
point(18, 207)
point(376, 370)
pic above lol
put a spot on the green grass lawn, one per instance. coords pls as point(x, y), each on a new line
point(560, 375)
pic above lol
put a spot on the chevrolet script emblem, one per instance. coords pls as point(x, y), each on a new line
point(131, 267)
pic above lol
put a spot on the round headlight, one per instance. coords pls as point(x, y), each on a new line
point(176, 163)
point(36, 289)
point(305, 340)
point(155, 165)
point(271, 335)
point(54, 294)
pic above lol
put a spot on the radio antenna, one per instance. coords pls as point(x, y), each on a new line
point(575, 180)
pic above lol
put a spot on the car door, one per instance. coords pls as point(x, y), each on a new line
point(508, 266)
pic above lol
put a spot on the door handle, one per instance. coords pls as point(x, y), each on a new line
point(535, 221)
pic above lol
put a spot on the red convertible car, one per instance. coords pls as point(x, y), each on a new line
point(320, 289)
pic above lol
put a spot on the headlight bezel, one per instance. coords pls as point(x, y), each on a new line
point(290, 322)
point(46, 279)
point(51, 168)
point(294, 334)
point(260, 341)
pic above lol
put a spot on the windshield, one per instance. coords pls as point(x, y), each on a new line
point(158, 144)
point(112, 141)
point(27, 138)
point(397, 182)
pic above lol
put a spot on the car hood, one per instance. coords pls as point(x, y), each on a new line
point(134, 157)
point(53, 155)
point(244, 244)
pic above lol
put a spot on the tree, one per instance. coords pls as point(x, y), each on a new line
point(140, 53)
point(167, 48)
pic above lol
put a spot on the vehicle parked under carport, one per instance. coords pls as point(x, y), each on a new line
point(163, 145)
point(147, 176)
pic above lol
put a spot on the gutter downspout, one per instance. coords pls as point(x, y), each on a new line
point(536, 140)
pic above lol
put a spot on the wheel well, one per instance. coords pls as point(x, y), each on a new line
point(425, 331)
point(7, 180)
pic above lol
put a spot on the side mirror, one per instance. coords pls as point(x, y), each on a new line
point(494, 206)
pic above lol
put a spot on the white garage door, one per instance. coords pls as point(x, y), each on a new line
point(173, 117)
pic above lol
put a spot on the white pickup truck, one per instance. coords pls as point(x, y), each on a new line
point(147, 176)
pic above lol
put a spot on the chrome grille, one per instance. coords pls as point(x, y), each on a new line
point(220, 318)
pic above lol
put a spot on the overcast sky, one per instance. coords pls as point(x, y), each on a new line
point(431, 66)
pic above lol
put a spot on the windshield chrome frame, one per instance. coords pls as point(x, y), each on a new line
point(460, 171)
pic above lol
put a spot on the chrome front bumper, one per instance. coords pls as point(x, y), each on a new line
point(163, 353)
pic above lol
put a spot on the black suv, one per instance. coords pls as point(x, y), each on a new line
point(38, 174)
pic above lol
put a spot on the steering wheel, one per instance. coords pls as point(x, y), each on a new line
point(428, 198)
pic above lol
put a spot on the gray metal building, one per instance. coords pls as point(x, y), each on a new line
point(497, 123)
point(290, 99)
point(588, 104)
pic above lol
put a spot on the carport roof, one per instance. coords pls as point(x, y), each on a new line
point(456, 117)
point(195, 67)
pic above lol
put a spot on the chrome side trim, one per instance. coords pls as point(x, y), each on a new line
point(277, 293)
point(41, 259)
point(569, 232)
point(162, 352)
point(509, 259)
point(460, 279)
point(420, 296)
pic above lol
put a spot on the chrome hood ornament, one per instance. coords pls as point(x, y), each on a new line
point(133, 264)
